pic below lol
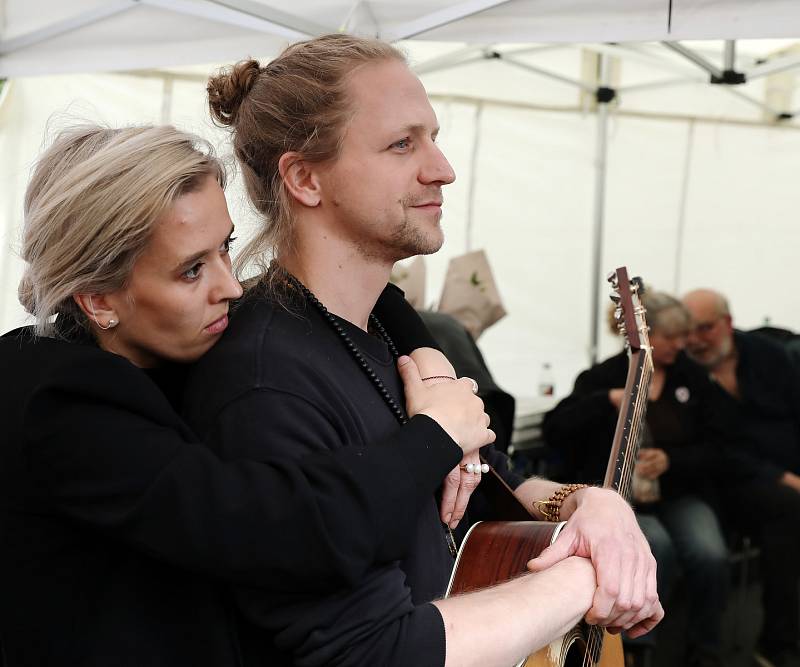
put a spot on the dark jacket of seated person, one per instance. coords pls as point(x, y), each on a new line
point(689, 421)
point(767, 409)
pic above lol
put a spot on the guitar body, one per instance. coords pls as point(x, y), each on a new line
point(496, 551)
point(570, 651)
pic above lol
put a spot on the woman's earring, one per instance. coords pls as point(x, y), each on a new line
point(111, 323)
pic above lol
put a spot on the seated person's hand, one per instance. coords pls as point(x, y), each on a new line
point(615, 397)
point(604, 529)
point(652, 462)
point(791, 480)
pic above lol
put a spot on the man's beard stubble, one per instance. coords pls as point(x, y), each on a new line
point(719, 355)
point(406, 240)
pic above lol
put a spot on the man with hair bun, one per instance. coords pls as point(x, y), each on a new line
point(336, 140)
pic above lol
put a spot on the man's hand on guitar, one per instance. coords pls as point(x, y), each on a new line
point(601, 526)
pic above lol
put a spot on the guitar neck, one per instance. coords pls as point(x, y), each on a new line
point(630, 424)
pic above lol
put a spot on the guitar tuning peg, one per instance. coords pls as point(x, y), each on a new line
point(615, 297)
point(611, 277)
point(618, 314)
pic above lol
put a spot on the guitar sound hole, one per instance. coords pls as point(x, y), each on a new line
point(576, 654)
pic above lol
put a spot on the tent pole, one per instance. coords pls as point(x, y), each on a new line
point(439, 18)
point(601, 154)
point(773, 67)
point(104, 11)
point(166, 99)
point(730, 55)
point(473, 174)
point(696, 58)
point(677, 288)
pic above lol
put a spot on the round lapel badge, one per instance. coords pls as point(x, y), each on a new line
point(682, 394)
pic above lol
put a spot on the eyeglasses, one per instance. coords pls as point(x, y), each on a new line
point(702, 328)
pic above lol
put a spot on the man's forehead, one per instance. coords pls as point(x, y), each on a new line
point(391, 95)
point(699, 301)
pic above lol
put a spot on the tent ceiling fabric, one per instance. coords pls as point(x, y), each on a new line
point(51, 36)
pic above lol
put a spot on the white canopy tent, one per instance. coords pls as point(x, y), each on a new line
point(687, 182)
point(49, 36)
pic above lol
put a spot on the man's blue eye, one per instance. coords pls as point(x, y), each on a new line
point(194, 272)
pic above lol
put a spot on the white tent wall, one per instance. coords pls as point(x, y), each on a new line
point(533, 193)
point(533, 216)
point(29, 105)
point(744, 211)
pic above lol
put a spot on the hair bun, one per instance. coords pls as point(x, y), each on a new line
point(227, 90)
point(26, 292)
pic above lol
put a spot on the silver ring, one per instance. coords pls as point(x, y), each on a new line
point(474, 385)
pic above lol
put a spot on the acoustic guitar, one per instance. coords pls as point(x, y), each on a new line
point(495, 551)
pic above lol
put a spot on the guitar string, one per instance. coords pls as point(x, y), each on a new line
point(630, 460)
point(627, 464)
point(634, 434)
point(595, 640)
point(596, 637)
point(643, 399)
point(592, 644)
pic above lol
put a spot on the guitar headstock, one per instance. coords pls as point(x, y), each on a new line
point(629, 313)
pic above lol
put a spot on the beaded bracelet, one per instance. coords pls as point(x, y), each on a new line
point(550, 509)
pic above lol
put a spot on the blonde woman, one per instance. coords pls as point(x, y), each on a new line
point(115, 524)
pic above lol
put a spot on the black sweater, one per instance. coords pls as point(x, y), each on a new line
point(768, 409)
point(288, 375)
point(688, 421)
point(116, 524)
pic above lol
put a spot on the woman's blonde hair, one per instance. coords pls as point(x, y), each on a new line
point(93, 201)
point(665, 314)
point(298, 103)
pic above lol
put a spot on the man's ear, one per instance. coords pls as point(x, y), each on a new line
point(97, 308)
point(728, 321)
point(300, 178)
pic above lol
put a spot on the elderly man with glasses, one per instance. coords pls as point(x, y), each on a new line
point(757, 377)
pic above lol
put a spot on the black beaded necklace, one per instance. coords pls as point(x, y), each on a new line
point(352, 348)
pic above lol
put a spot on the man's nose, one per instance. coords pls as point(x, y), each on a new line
point(436, 169)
